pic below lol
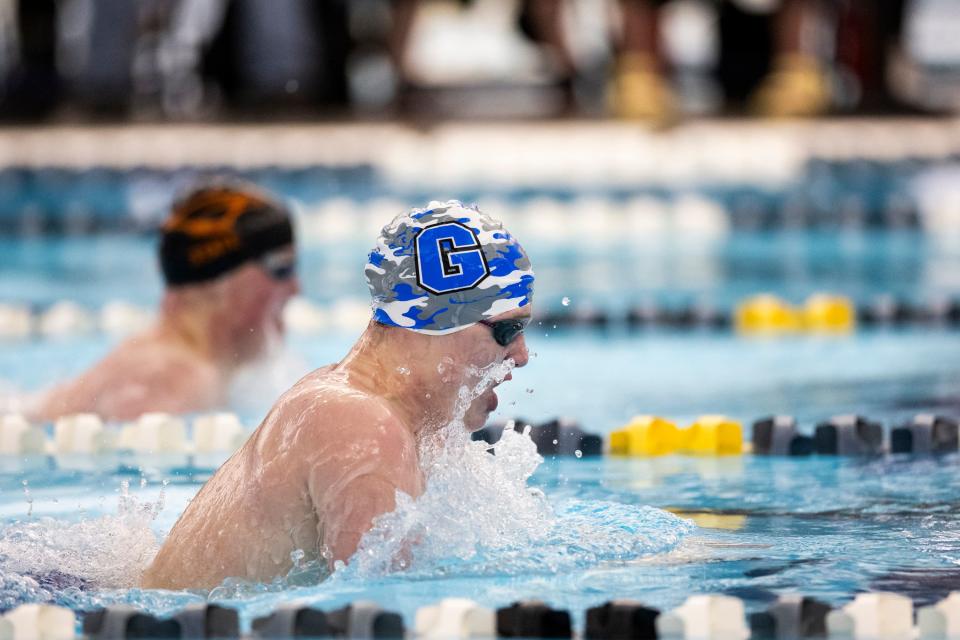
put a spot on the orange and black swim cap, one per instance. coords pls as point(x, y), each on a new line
point(216, 228)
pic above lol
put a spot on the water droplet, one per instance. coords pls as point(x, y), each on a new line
point(555, 441)
point(565, 301)
point(296, 556)
point(427, 396)
point(578, 453)
point(403, 371)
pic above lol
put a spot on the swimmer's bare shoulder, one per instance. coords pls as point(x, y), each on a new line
point(140, 375)
point(360, 454)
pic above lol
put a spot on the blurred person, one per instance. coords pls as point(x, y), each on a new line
point(32, 86)
point(279, 54)
point(538, 20)
point(228, 262)
point(796, 83)
point(869, 44)
point(765, 62)
point(640, 89)
point(452, 293)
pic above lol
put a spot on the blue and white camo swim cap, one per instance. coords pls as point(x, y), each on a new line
point(443, 268)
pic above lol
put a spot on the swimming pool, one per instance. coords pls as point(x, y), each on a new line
point(822, 526)
point(827, 527)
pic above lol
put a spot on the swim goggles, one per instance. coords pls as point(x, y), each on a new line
point(505, 331)
point(279, 265)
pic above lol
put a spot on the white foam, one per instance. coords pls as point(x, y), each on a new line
point(478, 515)
point(106, 552)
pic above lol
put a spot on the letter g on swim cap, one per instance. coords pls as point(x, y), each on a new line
point(445, 267)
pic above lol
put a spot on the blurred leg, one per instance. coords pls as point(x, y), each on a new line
point(403, 14)
point(547, 19)
point(33, 89)
point(868, 36)
point(797, 84)
point(640, 91)
point(542, 20)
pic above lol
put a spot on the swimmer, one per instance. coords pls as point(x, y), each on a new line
point(228, 262)
point(452, 294)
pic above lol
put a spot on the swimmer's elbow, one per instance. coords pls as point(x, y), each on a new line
point(343, 546)
point(351, 513)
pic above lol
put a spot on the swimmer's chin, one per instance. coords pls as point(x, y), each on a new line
point(493, 403)
point(480, 411)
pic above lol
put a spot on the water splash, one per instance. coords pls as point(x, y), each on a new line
point(478, 516)
point(47, 560)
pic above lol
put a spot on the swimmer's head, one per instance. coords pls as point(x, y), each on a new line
point(227, 254)
point(456, 277)
point(444, 268)
point(221, 225)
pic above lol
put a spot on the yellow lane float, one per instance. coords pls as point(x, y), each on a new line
point(712, 435)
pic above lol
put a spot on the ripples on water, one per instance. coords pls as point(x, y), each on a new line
point(477, 517)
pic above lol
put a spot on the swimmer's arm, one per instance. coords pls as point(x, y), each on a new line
point(349, 492)
point(353, 513)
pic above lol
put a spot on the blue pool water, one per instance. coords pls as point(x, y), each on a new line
point(821, 526)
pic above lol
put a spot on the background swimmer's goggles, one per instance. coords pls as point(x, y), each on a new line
point(505, 331)
point(279, 265)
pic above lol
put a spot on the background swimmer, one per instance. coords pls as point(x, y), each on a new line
point(229, 265)
point(452, 293)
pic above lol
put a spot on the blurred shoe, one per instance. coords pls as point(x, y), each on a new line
point(639, 92)
point(797, 87)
